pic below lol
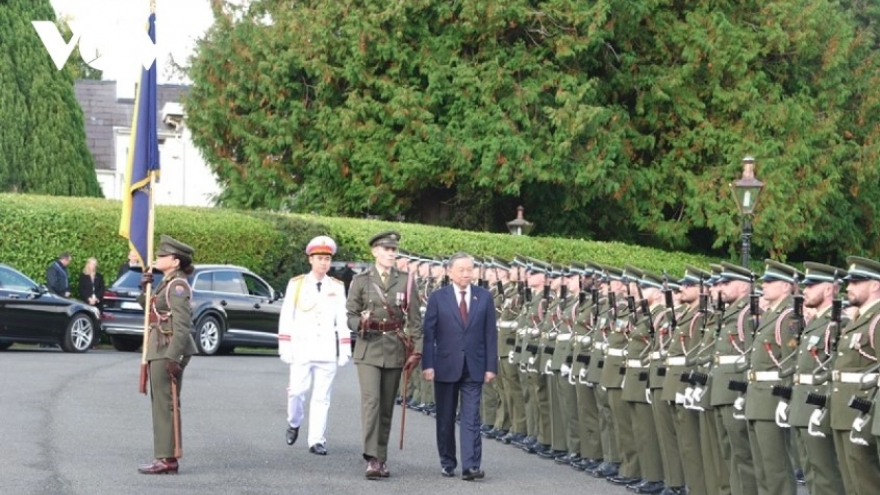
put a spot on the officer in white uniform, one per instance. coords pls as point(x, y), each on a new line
point(314, 339)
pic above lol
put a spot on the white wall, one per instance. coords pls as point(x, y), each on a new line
point(185, 178)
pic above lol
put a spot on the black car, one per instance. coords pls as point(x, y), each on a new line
point(232, 306)
point(29, 313)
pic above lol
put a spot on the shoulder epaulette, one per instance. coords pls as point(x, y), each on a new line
point(363, 273)
point(297, 277)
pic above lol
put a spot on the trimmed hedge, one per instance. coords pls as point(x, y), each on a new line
point(35, 229)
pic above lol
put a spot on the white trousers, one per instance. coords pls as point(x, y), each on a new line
point(301, 377)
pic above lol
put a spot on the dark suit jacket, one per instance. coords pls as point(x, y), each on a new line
point(87, 288)
point(56, 278)
point(448, 343)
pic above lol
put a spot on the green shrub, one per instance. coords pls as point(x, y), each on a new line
point(35, 229)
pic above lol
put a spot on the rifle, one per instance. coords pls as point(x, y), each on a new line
point(594, 297)
point(670, 303)
point(703, 306)
point(631, 303)
point(754, 305)
point(720, 323)
point(836, 312)
point(646, 310)
point(798, 308)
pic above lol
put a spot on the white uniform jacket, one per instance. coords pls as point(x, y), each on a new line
point(313, 325)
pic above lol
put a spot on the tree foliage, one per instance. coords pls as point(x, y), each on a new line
point(611, 119)
point(42, 133)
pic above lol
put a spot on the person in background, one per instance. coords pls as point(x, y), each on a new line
point(91, 290)
point(56, 276)
point(128, 265)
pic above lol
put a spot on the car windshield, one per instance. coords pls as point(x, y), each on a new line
point(131, 280)
point(13, 280)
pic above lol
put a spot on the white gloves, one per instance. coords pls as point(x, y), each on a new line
point(739, 408)
point(782, 415)
point(815, 421)
point(648, 395)
point(564, 370)
point(547, 367)
point(510, 357)
point(858, 424)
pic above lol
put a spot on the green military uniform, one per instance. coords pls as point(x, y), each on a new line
point(663, 410)
point(635, 384)
point(553, 406)
point(731, 345)
point(856, 356)
point(614, 359)
point(522, 352)
point(170, 339)
point(381, 312)
point(508, 371)
point(714, 444)
point(549, 438)
point(561, 369)
point(775, 343)
point(535, 387)
point(501, 419)
point(589, 430)
point(680, 358)
point(812, 376)
point(596, 342)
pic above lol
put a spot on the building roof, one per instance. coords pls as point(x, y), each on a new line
point(103, 112)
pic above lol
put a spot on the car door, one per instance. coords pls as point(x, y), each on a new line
point(29, 311)
point(229, 291)
point(265, 310)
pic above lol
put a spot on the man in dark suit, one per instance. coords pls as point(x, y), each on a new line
point(57, 279)
point(460, 353)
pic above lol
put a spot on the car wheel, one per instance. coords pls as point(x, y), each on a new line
point(125, 344)
point(209, 334)
point(79, 334)
point(5, 344)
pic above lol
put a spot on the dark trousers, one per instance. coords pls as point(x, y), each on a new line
point(446, 396)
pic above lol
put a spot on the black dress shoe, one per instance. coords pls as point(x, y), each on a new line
point(485, 428)
point(651, 487)
point(383, 470)
point(799, 477)
point(536, 448)
point(473, 474)
point(635, 487)
point(372, 471)
point(318, 449)
point(674, 490)
point(292, 435)
point(430, 409)
point(587, 464)
point(623, 480)
point(605, 470)
point(511, 437)
point(525, 441)
point(568, 459)
point(447, 472)
point(552, 454)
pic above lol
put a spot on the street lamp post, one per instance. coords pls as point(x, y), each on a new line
point(746, 191)
point(519, 225)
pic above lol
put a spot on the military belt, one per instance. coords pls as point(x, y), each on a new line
point(804, 378)
point(564, 337)
point(839, 377)
point(727, 359)
point(656, 355)
point(676, 361)
point(382, 326)
point(616, 352)
point(763, 376)
point(599, 346)
point(507, 324)
point(634, 363)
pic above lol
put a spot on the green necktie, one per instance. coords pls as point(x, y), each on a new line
point(385, 279)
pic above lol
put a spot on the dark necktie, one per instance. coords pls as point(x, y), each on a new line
point(462, 307)
point(319, 286)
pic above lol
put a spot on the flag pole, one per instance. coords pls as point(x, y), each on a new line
point(148, 266)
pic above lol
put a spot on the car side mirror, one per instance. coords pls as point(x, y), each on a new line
point(39, 290)
point(278, 295)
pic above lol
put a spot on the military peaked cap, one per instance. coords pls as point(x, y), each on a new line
point(171, 246)
point(650, 280)
point(817, 273)
point(862, 269)
point(693, 276)
point(730, 272)
point(776, 271)
point(386, 239)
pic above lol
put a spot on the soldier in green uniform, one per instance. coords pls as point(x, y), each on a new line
point(552, 407)
point(714, 445)
point(383, 307)
point(537, 400)
point(814, 361)
point(663, 294)
point(614, 360)
point(731, 345)
point(854, 366)
point(771, 364)
point(680, 361)
point(514, 294)
point(596, 342)
point(636, 393)
point(533, 294)
point(498, 417)
point(560, 364)
point(498, 281)
point(169, 347)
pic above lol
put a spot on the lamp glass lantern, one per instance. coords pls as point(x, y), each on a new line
point(519, 225)
point(747, 189)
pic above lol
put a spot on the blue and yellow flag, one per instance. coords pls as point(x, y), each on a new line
point(143, 162)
